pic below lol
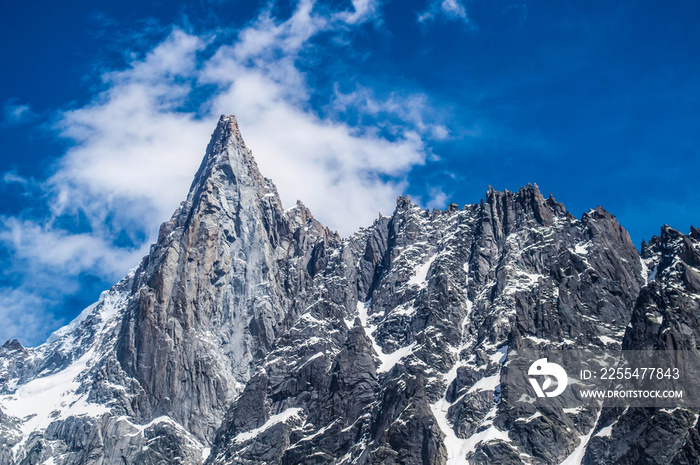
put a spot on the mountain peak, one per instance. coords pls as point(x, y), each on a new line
point(228, 126)
point(227, 149)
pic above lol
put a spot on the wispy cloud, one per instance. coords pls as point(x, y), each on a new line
point(11, 177)
point(448, 9)
point(23, 315)
point(17, 113)
point(64, 252)
point(392, 112)
point(137, 144)
point(438, 199)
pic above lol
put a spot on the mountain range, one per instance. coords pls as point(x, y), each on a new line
point(252, 334)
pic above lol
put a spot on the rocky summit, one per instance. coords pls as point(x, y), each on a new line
point(251, 334)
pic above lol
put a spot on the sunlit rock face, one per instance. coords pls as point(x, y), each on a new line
point(252, 334)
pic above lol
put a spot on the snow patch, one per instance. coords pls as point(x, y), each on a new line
point(404, 310)
point(55, 396)
point(489, 383)
point(653, 273)
point(530, 418)
point(607, 340)
point(538, 340)
point(645, 270)
point(420, 277)
point(386, 361)
point(273, 420)
point(605, 432)
point(70, 327)
point(389, 360)
point(500, 355)
point(577, 455)
point(582, 248)
point(43, 400)
point(458, 448)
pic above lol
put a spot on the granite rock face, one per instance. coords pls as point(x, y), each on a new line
point(251, 334)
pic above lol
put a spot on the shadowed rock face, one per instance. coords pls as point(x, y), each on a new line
point(251, 334)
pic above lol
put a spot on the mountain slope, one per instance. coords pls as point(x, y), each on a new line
point(252, 334)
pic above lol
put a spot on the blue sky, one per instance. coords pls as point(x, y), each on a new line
point(107, 108)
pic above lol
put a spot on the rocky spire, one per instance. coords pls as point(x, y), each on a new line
point(227, 149)
point(214, 270)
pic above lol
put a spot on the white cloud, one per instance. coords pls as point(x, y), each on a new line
point(438, 199)
point(450, 9)
point(65, 252)
point(135, 147)
point(131, 144)
point(137, 144)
